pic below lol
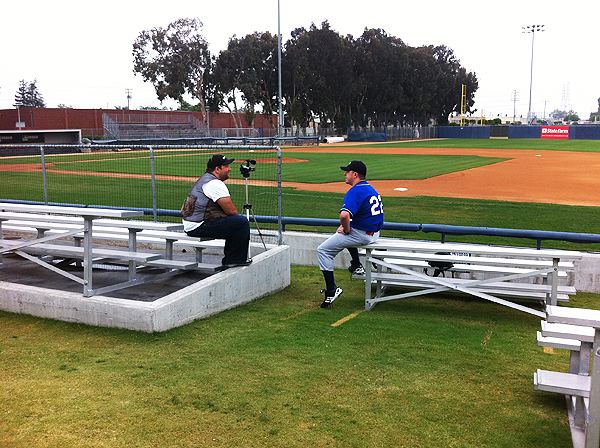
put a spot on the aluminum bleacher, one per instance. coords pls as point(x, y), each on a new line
point(140, 126)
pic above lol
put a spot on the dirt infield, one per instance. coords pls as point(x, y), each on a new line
point(556, 177)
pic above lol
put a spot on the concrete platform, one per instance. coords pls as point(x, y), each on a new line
point(151, 307)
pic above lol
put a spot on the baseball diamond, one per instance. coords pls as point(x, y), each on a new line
point(556, 177)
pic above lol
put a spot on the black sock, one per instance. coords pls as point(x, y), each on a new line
point(354, 254)
point(329, 281)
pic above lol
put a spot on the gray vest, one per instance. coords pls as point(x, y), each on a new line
point(201, 198)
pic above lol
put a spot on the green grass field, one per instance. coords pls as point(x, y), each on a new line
point(421, 372)
point(318, 169)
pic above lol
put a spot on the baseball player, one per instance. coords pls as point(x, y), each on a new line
point(361, 219)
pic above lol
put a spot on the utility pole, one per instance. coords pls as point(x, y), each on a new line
point(515, 97)
point(128, 92)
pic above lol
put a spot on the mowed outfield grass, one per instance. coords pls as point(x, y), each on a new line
point(324, 167)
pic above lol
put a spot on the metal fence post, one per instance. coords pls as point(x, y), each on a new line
point(45, 181)
point(154, 205)
point(279, 206)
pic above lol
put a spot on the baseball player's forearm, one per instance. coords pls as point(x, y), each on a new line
point(345, 221)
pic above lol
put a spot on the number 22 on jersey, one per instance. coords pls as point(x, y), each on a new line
point(376, 205)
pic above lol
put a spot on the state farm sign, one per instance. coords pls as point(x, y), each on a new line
point(555, 132)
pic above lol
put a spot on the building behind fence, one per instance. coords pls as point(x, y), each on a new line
point(123, 124)
point(90, 121)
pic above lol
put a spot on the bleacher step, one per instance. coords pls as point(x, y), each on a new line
point(567, 344)
point(562, 383)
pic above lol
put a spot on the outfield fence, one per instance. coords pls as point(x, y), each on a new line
point(149, 178)
point(391, 132)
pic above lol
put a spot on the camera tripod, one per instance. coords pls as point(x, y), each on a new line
point(245, 170)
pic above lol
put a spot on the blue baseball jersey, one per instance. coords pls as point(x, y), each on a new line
point(364, 205)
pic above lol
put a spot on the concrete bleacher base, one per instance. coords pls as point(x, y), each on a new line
point(269, 273)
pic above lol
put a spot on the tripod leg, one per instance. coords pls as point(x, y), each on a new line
point(258, 228)
point(249, 210)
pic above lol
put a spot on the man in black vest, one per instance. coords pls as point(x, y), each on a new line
point(215, 215)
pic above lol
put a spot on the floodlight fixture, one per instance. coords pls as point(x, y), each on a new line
point(531, 29)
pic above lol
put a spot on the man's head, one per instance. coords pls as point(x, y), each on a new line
point(219, 166)
point(356, 171)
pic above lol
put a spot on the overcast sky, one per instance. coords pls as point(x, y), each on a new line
point(80, 53)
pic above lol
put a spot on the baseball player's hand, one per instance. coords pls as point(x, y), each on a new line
point(341, 230)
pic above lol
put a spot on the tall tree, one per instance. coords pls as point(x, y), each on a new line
point(382, 65)
point(296, 80)
point(28, 95)
point(249, 67)
point(327, 81)
point(173, 59)
point(448, 86)
point(337, 78)
point(434, 85)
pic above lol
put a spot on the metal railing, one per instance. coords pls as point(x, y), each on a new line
point(537, 235)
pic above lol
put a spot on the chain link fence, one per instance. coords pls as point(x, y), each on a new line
point(155, 179)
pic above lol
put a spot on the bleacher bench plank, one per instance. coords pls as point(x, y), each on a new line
point(566, 331)
point(171, 264)
point(467, 267)
point(183, 265)
point(59, 250)
point(566, 344)
point(52, 220)
point(41, 218)
point(473, 249)
point(562, 383)
point(574, 316)
point(466, 259)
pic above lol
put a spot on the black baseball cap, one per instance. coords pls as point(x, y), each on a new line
point(357, 166)
point(218, 160)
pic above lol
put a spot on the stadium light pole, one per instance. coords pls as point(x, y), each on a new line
point(280, 115)
point(531, 30)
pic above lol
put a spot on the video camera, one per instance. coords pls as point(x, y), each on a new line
point(246, 169)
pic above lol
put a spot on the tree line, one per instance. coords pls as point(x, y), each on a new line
point(373, 80)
